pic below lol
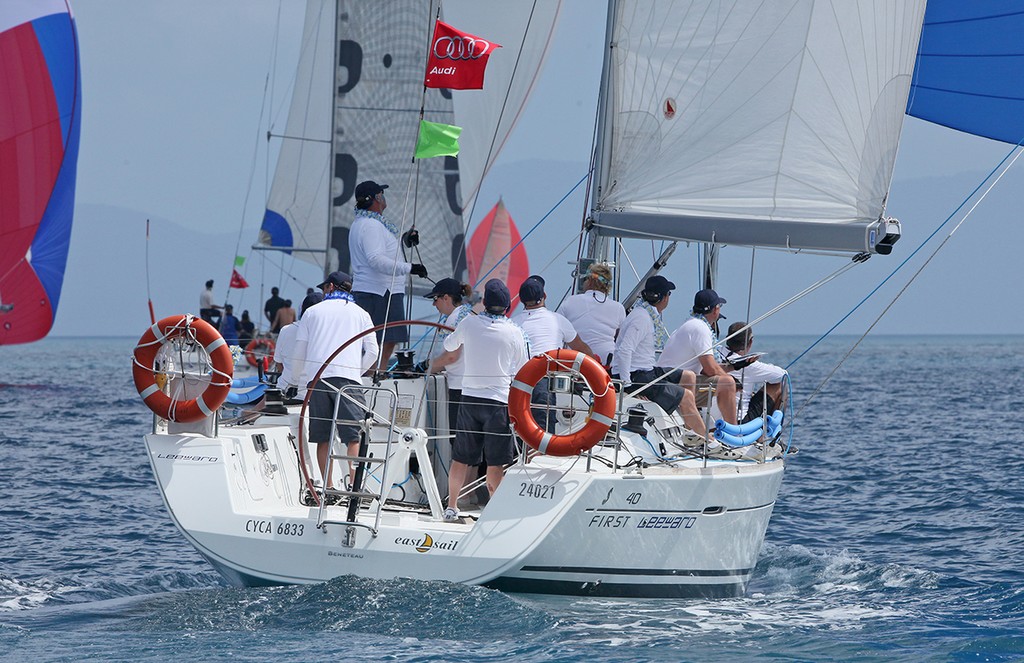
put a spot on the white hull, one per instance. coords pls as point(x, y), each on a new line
point(691, 529)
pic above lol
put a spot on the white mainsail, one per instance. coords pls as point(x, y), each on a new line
point(372, 102)
point(776, 123)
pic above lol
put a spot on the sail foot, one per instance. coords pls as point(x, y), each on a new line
point(855, 236)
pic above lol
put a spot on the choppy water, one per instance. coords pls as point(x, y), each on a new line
point(898, 535)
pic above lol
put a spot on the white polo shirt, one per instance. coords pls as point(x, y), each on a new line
point(634, 350)
point(546, 329)
point(458, 367)
point(284, 354)
point(376, 258)
point(596, 317)
point(687, 345)
point(324, 328)
point(755, 376)
point(494, 349)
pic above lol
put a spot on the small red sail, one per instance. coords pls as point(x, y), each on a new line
point(490, 253)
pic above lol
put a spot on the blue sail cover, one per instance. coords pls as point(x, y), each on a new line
point(970, 68)
point(40, 112)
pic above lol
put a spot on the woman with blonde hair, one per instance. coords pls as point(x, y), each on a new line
point(595, 315)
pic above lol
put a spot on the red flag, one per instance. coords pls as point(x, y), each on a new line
point(237, 281)
point(457, 59)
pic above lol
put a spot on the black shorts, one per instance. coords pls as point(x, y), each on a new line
point(454, 401)
point(321, 411)
point(378, 308)
point(483, 433)
point(666, 392)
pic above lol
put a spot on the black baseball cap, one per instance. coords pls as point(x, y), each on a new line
point(659, 285)
point(531, 290)
point(339, 280)
point(705, 300)
point(368, 189)
point(447, 286)
point(496, 295)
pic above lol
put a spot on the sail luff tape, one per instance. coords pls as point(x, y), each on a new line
point(149, 391)
point(215, 344)
point(544, 441)
point(522, 386)
point(606, 420)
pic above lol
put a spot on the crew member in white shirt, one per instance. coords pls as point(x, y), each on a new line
point(692, 347)
point(547, 330)
point(207, 309)
point(755, 375)
point(448, 296)
point(378, 270)
point(494, 349)
point(290, 366)
point(595, 315)
point(642, 335)
point(324, 328)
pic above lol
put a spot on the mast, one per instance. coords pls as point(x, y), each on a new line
point(597, 246)
point(330, 158)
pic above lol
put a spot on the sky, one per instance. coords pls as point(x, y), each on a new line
point(178, 97)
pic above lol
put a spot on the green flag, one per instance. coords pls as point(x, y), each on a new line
point(239, 261)
point(437, 140)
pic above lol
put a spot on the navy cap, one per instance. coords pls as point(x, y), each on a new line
point(496, 295)
point(445, 287)
point(705, 300)
point(537, 277)
point(310, 300)
point(659, 285)
point(368, 189)
point(339, 280)
point(532, 290)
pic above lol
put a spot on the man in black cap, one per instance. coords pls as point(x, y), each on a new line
point(325, 326)
point(641, 337)
point(494, 349)
point(378, 270)
point(694, 347)
point(271, 307)
point(547, 330)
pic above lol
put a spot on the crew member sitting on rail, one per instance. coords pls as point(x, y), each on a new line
point(692, 347)
point(641, 336)
point(760, 379)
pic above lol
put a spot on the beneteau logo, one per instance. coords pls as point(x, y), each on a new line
point(426, 543)
point(461, 48)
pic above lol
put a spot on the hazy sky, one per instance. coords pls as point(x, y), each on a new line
point(178, 97)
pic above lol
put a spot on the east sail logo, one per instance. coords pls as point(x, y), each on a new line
point(426, 543)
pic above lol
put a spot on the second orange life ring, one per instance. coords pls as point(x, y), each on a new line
point(262, 345)
point(599, 420)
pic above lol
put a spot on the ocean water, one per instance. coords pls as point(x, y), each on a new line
point(898, 535)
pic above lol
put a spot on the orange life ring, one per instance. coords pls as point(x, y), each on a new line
point(598, 421)
point(256, 344)
point(144, 371)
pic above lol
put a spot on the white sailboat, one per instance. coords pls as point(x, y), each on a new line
point(757, 124)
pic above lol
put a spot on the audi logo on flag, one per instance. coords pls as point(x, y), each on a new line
point(461, 48)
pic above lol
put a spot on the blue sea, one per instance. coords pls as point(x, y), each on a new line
point(898, 535)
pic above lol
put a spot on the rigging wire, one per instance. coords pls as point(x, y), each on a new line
point(523, 238)
point(925, 241)
point(914, 276)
